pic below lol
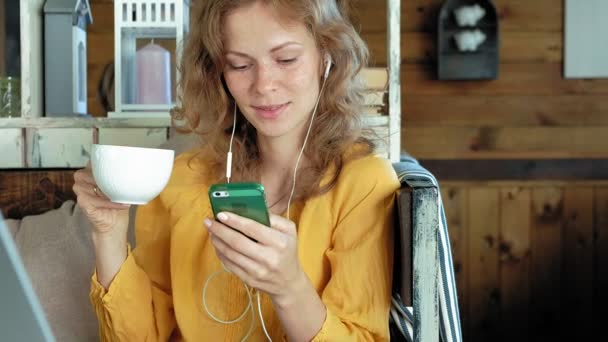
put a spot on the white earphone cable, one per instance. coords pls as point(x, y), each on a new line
point(295, 169)
point(293, 187)
point(229, 157)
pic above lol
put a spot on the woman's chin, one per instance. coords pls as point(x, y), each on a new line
point(272, 130)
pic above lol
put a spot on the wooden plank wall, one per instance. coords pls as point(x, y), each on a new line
point(529, 257)
point(525, 268)
point(100, 50)
point(530, 111)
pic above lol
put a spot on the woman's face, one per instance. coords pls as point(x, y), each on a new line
point(273, 68)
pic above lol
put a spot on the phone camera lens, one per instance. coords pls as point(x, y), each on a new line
point(217, 193)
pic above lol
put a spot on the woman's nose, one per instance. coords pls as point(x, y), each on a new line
point(265, 79)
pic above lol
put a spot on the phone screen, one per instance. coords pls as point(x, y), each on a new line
point(244, 199)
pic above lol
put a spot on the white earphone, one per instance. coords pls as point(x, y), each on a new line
point(327, 65)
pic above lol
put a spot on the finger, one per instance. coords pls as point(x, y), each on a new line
point(91, 203)
point(84, 175)
point(236, 240)
point(239, 272)
point(89, 189)
point(227, 253)
point(282, 224)
point(88, 201)
point(255, 230)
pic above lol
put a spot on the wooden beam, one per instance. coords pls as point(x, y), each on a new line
point(420, 15)
point(442, 142)
point(518, 169)
point(515, 79)
point(515, 47)
point(506, 110)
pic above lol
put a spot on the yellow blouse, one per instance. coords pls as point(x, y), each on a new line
point(344, 246)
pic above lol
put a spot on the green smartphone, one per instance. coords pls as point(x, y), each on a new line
point(244, 199)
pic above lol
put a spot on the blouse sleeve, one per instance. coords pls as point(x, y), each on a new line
point(358, 294)
point(138, 305)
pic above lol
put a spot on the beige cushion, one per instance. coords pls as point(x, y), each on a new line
point(13, 226)
point(57, 251)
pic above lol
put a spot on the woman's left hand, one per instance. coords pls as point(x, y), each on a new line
point(270, 264)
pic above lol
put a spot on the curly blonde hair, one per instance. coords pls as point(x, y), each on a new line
point(207, 106)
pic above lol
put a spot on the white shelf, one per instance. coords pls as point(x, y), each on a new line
point(76, 122)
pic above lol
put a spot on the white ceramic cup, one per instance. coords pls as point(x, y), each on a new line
point(131, 175)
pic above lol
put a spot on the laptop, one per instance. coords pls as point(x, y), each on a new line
point(21, 315)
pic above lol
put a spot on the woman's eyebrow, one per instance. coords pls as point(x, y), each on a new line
point(274, 49)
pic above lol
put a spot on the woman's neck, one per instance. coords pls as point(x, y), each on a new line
point(279, 155)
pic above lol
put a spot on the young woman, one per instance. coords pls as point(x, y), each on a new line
point(284, 75)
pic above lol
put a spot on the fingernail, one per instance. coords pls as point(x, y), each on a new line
point(222, 217)
point(207, 223)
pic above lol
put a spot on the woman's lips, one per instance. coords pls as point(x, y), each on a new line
point(270, 112)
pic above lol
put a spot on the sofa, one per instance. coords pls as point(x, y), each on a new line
point(57, 252)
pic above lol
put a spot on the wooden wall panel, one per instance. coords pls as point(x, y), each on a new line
point(25, 193)
point(103, 16)
point(484, 282)
point(493, 142)
point(600, 256)
point(506, 110)
point(515, 79)
point(516, 47)
point(546, 256)
point(419, 15)
point(536, 258)
point(530, 90)
point(578, 261)
point(100, 51)
point(514, 261)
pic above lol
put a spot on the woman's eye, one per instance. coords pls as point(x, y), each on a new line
point(238, 67)
point(287, 60)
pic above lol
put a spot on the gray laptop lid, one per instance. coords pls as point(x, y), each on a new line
point(21, 316)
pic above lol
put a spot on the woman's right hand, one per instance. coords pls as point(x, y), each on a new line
point(106, 217)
